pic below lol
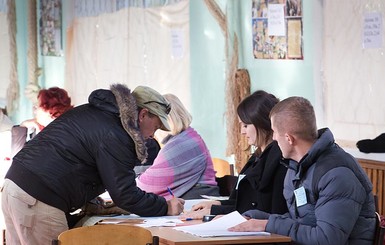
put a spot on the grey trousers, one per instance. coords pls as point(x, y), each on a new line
point(27, 220)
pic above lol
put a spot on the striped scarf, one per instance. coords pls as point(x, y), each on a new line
point(183, 162)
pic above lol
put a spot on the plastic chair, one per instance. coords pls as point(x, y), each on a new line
point(222, 167)
point(380, 231)
point(107, 235)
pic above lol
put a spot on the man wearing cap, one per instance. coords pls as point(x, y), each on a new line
point(84, 152)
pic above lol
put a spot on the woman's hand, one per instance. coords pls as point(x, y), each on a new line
point(204, 205)
point(30, 123)
point(198, 214)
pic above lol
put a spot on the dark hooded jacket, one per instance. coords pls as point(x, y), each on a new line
point(262, 186)
point(86, 151)
point(338, 205)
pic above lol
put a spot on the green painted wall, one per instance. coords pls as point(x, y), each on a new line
point(280, 77)
point(53, 67)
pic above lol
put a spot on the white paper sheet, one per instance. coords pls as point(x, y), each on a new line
point(218, 227)
point(189, 203)
point(160, 222)
point(143, 221)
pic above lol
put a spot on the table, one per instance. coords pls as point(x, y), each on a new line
point(169, 236)
point(374, 166)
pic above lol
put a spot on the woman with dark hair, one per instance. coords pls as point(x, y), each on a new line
point(51, 103)
point(260, 182)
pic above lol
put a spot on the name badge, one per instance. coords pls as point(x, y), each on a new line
point(240, 177)
point(300, 196)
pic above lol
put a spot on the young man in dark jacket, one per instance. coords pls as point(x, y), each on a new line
point(87, 150)
point(328, 194)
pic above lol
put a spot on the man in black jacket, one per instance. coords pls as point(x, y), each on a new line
point(84, 152)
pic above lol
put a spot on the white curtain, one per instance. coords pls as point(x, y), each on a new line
point(135, 46)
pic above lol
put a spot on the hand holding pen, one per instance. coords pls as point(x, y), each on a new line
point(170, 191)
point(175, 205)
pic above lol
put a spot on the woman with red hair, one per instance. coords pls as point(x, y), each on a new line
point(51, 103)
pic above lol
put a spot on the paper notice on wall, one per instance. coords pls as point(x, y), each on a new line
point(177, 41)
point(276, 20)
point(372, 30)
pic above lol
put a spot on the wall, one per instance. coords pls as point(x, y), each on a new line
point(281, 77)
point(354, 74)
point(53, 67)
point(208, 65)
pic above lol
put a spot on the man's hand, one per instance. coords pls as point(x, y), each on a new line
point(250, 225)
point(175, 206)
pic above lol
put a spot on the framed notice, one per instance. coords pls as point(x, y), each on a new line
point(277, 29)
point(294, 38)
point(50, 25)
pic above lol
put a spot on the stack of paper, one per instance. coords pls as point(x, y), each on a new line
point(218, 227)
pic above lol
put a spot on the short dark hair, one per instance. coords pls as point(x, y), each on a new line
point(296, 115)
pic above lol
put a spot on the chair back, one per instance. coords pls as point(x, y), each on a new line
point(380, 231)
point(222, 167)
point(107, 235)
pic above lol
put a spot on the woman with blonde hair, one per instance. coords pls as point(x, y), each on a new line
point(183, 167)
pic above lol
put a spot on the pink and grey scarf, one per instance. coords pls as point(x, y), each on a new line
point(183, 162)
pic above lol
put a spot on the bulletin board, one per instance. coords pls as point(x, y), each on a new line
point(277, 29)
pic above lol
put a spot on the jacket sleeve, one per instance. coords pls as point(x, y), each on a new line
point(116, 161)
point(278, 203)
point(222, 209)
point(338, 189)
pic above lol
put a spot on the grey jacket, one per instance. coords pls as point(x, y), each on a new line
point(339, 206)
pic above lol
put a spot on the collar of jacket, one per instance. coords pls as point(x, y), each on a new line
point(129, 117)
point(324, 142)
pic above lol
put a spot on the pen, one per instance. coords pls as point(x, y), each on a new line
point(169, 191)
point(187, 219)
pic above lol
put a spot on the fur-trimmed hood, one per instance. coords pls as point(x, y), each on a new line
point(119, 100)
point(129, 117)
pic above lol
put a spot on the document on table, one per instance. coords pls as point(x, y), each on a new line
point(218, 227)
point(215, 198)
point(134, 219)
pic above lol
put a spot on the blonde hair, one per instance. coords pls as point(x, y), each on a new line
point(179, 117)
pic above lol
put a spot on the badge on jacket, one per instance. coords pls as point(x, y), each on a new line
point(300, 196)
point(240, 177)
